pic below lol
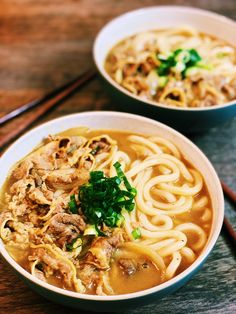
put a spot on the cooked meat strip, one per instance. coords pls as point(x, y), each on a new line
point(19, 208)
point(65, 227)
point(208, 101)
point(40, 198)
point(22, 170)
point(147, 66)
point(74, 219)
point(37, 177)
point(40, 275)
point(218, 81)
point(54, 264)
point(64, 142)
point(102, 249)
point(99, 256)
point(67, 142)
point(138, 83)
point(86, 163)
point(5, 215)
point(42, 158)
point(230, 89)
point(66, 179)
point(130, 69)
point(129, 266)
point(19, 202)
point(89, 275)
point(21, 187)
point(100, 146)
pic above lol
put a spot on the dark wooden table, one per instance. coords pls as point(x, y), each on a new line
point(45, 43)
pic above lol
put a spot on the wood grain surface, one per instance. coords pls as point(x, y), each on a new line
point(45, 43)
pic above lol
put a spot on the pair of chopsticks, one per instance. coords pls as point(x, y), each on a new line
point(52, 99)
point(43, 105)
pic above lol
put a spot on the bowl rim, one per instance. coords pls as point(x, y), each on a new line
point(183, 275)
point(221, 18)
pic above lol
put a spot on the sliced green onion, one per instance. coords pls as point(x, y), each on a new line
point(102, 199)
point(95, 150)
point(90, 230)
point(73, 207)
point(75, 243)
point(178, 61)
point(136, 233)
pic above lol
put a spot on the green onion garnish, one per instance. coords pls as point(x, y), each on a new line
point(102, 199)
point(73, 245)
point(136, 233)
point(95, 150)
point(73, 207)
point(184, 58)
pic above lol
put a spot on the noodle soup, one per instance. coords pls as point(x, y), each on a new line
point(96, 211)
point(177, 67)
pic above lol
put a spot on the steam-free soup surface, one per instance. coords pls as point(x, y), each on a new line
point(105, 212)
point(176, 67)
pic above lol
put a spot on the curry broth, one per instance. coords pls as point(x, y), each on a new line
point(147, 275)
point(120, 282)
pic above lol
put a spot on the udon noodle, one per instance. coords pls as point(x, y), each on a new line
point(162, 227)
point(178, 67)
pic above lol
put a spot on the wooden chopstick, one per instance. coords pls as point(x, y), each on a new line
point(232, 196)
point(79, 80)
point(230, 230)
point(44, 104)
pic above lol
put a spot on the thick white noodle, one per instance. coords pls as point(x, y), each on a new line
point(188, 254)
point(173, 266)
point(144, 141)
point(169, 197)
point(207, 215)
point(185, 190)
point(197, 230)
point(166, 189)
point(167, 144)
point(200, 204)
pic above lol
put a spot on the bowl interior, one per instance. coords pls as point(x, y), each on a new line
point(160, 17)
point(133, 123)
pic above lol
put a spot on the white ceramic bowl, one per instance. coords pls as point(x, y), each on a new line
point(151, 18)
point(133, 123)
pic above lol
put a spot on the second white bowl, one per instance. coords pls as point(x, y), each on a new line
point(189, 120)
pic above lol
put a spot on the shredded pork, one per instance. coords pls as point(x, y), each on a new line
point(65, 227)
point(38, 216)
point(99, 257)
